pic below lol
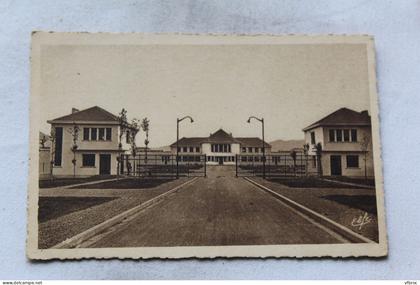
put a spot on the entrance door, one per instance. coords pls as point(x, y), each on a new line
point(335, 162)
point(104, 164)
point(220, 160)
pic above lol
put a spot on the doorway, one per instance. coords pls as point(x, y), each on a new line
point(335, 162)
point(220, 158)
point(104, 164)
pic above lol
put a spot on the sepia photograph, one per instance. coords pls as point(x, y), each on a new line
point(204, 146)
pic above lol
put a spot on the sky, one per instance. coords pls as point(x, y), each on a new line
point(220, 86)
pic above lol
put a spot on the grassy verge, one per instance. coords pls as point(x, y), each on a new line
point(361, 181)
point(127, 183)
point(346, 206)
point(63, 226)
point(57, 182)
point(54, 207)
point(309, 182)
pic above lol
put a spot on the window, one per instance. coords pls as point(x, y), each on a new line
point(184, 149)
point(243, 158)
point(58, 150)
point(352, 161)
point(257, 159)
point(191, 149)
point(244, 149)
point(233, 158)
point(88, 160)
point(197, 149)
point(339, 135)
point(256, 149)
point(249, 149)
point(101, 134)
point(332, 135)
point(93, 134)
point(86, 134)
point(108, 134)
point(179, 149)
point(354, 135)
point(346, 135)
point(229, 148)
point(312, 137)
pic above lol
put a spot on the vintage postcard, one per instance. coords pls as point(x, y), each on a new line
point(178, 146)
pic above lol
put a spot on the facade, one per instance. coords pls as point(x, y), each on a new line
point(220, 148)
point(341, 144)
point(97, 143)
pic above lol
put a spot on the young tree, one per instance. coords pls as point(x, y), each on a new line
point(305, 152)
point(74, 131)
point(122, 120)
point(133, 133)
point(52, 152)
point(145, 125)
point(318, 149)
point(365, 144)
point(293, 155)
point(42, 140)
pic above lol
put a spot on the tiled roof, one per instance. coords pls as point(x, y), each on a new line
point(196, 141)
point(93, 114)
point(254, 142)
point(343, 117)
point(221, 137)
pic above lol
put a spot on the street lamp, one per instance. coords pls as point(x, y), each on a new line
point(263, 142)
point(177, 141)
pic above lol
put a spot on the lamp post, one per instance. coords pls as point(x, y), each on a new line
point(263, 141)
point(177, 141)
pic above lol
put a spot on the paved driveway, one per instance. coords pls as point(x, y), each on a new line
point(218, 210)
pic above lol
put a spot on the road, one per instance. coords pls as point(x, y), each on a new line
point(218, 210)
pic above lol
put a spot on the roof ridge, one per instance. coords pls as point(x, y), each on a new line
point(69, 117)
point(336, 114)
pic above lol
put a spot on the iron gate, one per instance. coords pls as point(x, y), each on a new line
point(276, 165)
point(162, 165)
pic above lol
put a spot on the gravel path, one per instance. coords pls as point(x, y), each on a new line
point(56, 230)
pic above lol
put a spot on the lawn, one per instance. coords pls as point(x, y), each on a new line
point(57, 182)
point(362, 180)
point(309, 182)
point(343, 204)
point(54, 207)
point(365, 203)
point(127, 183)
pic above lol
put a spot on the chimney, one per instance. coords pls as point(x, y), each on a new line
point(365, 113)
point(74, 110)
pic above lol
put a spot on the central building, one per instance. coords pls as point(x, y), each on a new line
point(220, 148)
